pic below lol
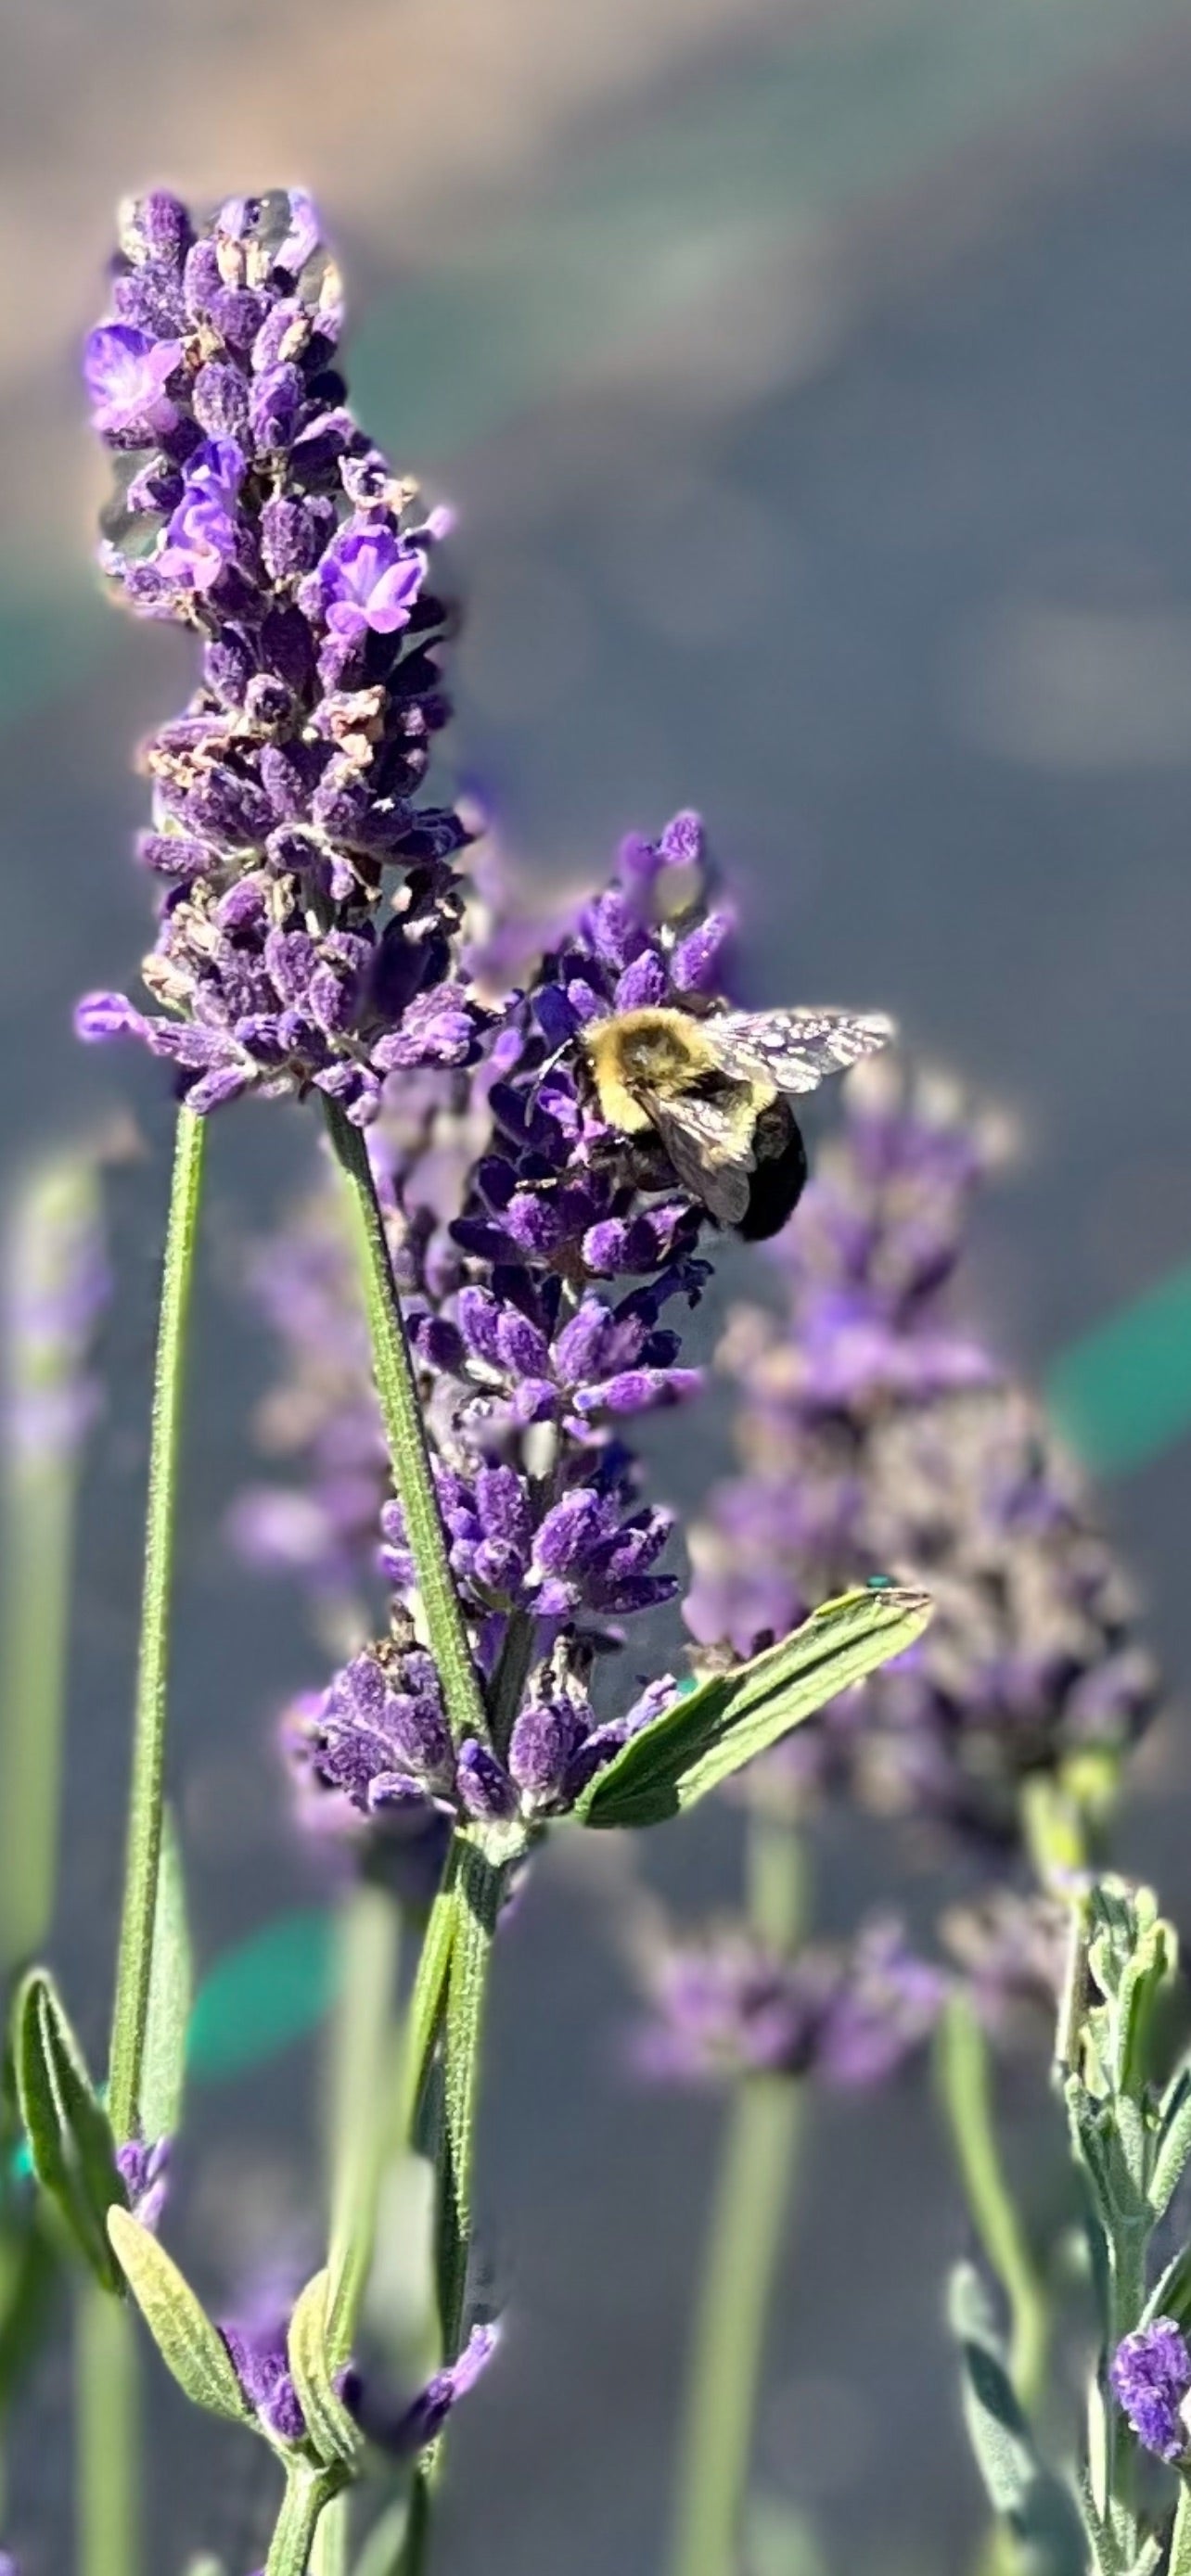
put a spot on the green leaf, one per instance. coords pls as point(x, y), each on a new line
point(1179, 2561)
point(1171, 2294)
point(1131, 1954)
point(163, 2069)
point(334, 2435)
point(69, 2133)
point(190, 2346)
point(707, 1733)
point(1039, 2509)
point(1151, 2559)
point(1174, 2144)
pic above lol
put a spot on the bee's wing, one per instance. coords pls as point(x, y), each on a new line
point(709, 1143)
point(794, 1049)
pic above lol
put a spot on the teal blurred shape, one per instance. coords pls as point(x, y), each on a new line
point(263, 1995)
point(1122, 1394)
point(685, 210)
point(46, 642)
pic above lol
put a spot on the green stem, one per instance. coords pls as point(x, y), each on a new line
point(1125, 2299)
point(307, 2492)
point(744, 2241)
point(362, 2048)
point(107, 2446)
point(511, 1675)
point(966, 2093)
point(477, 1909)
point(416, 2533)
point(423, 2020)
point(743, 2248)
point(135, 1956)
point(405, 1431)
point(449, 1996)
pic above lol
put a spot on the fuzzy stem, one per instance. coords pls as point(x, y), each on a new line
point(135, 1956)
point(423, 2021)
point(477, 1909)
point(450, 1994)
point(307, 2492)
point(405, 1432)
point(743, 2246)
point(1124, 2301)
point(966, 2094)
point(107, 2448)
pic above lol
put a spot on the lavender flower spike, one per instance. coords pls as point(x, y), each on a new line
point(724, 2006)
point(875, 1436)
point(308, 900)
point(539, 1277)
point(1150, 2374)
point(56, 1286)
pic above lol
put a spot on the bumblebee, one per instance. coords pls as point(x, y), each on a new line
point(706, 1102)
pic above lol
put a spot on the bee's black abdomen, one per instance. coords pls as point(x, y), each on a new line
point(780, 1175)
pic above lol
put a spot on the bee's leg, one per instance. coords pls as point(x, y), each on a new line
point(779, 1177)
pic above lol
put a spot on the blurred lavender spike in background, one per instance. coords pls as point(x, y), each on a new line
point(878, 1436)
point(725, 2006)
point(56, 1284)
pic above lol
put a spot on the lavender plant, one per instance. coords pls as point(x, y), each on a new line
point(1130, 2131)
point(312, 943)
point(480, 1300)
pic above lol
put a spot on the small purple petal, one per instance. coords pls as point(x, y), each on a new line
point(484, 1785)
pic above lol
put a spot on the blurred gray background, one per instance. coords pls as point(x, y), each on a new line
point(814, 386)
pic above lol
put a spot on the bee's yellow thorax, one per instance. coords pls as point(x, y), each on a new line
point(660, 1051)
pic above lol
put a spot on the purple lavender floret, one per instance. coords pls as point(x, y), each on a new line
point(308, 900)
point(724, 2006)
point(379, 1738)
point(145, 2173)
point(260, 2360)
point(1150, 2374)
point(259, 2357)
point(410, 2429)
